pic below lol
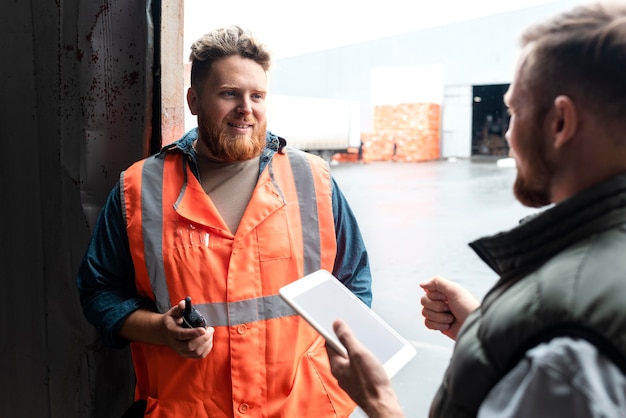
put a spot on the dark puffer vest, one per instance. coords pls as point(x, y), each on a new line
point(562, 273)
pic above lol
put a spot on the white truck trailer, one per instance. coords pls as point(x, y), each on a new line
point(320, 126)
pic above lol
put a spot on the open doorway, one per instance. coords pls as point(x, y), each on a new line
point(490, 120)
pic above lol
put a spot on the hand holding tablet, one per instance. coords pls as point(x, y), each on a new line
point(321, 299)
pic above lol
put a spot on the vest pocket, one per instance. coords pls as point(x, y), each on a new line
point(274, 237)
point(187, 235)
point(324, 398)
point(152, 407)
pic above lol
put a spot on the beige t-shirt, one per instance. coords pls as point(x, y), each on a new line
point(229, 185)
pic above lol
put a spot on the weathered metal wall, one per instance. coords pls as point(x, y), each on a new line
point(75, 109)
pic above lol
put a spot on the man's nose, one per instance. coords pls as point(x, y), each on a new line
point(245, 107)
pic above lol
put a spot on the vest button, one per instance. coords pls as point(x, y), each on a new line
point(241, 329)
point(243, 408)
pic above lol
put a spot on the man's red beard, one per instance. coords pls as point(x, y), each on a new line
point(232, 148)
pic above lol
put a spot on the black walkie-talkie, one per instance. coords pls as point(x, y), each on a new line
point(191, 317)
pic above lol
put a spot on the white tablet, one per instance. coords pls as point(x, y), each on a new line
point(321, 299)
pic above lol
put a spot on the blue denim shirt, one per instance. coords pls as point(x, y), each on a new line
point(106, 276)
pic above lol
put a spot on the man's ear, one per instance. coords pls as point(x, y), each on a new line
point(192, 100)
point(565, 121)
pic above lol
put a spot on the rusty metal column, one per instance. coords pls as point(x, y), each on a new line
point(173, 102)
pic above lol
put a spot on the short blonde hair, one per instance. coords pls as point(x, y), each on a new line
point(222, 43)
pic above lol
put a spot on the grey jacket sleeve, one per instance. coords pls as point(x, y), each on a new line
point(565, 377)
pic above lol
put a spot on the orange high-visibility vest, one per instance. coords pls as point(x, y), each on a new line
point(266, 360)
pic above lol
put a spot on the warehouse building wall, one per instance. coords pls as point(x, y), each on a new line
point(476, 52)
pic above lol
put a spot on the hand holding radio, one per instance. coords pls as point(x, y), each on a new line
point(191, 317)
point(190, 335)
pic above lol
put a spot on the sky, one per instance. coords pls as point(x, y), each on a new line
point(292, 27)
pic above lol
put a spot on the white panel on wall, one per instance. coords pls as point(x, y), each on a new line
point(456, 121)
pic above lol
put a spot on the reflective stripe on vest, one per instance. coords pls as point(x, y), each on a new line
point(226, 313)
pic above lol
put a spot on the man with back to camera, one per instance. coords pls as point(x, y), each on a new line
point(548, 339)
point(226, 215)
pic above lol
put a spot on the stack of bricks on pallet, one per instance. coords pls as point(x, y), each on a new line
point(404, 132)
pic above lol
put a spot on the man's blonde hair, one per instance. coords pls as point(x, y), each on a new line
point(222, 43)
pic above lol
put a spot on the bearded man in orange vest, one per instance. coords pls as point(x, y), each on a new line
point(227, 215)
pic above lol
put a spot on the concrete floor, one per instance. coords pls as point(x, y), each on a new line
point(416, 220)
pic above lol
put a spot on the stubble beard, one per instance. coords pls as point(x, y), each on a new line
point(532, 188)
point(232, 148)
point(528, 195)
